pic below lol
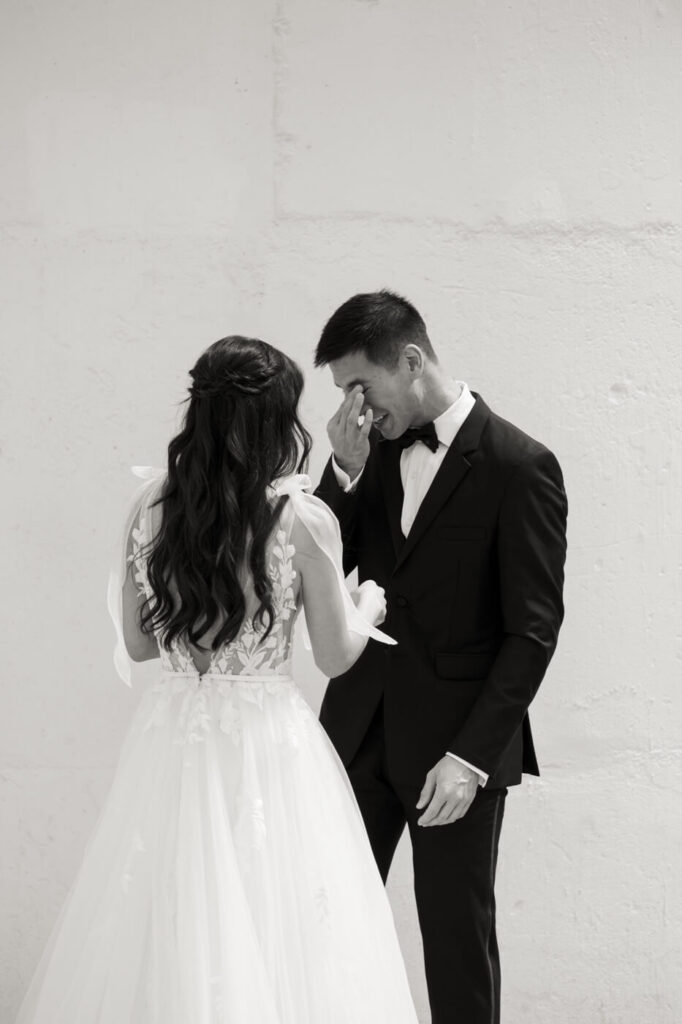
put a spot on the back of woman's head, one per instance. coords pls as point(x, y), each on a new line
point(241, 432)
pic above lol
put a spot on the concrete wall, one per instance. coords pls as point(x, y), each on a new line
point(172, 172)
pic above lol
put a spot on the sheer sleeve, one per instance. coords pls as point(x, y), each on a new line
point(119, 564)
point(323, 527)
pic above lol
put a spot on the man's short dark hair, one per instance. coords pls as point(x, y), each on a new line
point(379, 324)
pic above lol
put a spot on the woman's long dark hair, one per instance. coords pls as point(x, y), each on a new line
point(241, 431)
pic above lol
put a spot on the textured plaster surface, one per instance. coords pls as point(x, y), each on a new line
point(175, 172)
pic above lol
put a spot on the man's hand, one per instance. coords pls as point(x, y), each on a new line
point(449, 790)
point(349, 440)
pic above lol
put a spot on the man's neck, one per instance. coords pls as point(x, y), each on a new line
point(439, 395)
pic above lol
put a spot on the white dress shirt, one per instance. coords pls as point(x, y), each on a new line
point(418, 467)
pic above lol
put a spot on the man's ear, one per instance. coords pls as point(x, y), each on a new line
point(415, 359)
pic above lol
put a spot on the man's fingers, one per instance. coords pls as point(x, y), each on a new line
point(445, 808)
point(457, 812)
point(367, 425)
point(460, 808)
point(448, 798)
point(443, 815)
point(345, 405)
point(335, 421)
point(350, 399)
point(427, 791)
point(438, 800)
point(345, 417)
point(353, 413)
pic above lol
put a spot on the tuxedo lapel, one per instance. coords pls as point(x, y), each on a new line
point(392, 489)
point(451, 472)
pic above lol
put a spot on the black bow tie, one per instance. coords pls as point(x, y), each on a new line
point(427, 434)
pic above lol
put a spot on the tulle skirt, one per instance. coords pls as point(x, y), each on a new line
point(229, 878)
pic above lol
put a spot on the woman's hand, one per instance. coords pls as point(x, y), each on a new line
point(370, 600)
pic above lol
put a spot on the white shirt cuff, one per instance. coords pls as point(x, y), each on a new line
point(342, 478)
point(483, 778)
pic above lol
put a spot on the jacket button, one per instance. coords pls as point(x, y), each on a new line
point(401, 601)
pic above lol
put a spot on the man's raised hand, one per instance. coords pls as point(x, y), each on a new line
point(350, 439)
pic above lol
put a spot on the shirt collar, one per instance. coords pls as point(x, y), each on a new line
point(450, 421)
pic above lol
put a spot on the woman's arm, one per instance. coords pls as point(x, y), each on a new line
point(140, 646)
point(335, 646)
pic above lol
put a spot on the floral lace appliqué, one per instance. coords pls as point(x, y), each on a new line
point(251, 829)
point(251, 653)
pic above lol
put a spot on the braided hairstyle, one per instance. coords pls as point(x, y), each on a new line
point(240, 433)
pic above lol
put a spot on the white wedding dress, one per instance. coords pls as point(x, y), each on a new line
point(229, 878)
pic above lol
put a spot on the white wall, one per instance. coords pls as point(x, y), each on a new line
point(173, 172)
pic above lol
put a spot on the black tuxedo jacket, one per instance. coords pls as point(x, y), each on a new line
point(474, 598)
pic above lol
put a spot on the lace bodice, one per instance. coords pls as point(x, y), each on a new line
point(250, 652)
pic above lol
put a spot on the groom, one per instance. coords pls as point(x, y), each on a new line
point(461, 517)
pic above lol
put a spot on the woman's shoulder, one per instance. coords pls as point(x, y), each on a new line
point(312, 521)
point(145, 511)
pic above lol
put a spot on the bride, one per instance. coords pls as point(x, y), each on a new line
point(229, 877)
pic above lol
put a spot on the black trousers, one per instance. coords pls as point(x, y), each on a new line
point(454, 876)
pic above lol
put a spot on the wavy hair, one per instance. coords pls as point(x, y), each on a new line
point(240, 433)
